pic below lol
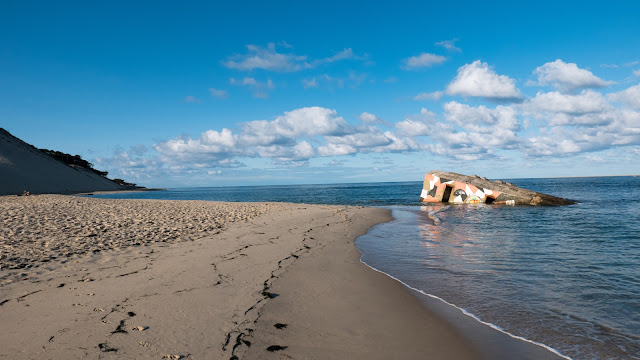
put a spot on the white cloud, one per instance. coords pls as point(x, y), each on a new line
point(332, 149)
point(282, 139)
point(259, 89)
point(622, 128)
point(476, 118)
point(346, 54)
point(449, 45)
point(587, 101)
point(629, 96)
point(309, 121)
point(436, 95)
point(586, 108)
point(191, 99)
point(485, 129)
point(218, 93)
point(567, 76)
point(266, 58)
point(478, 79)
point(418, 125)
point(636, 72)
point(371, 118)
point(423, 60)
point(560, 125)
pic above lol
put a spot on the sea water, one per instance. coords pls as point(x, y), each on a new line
point(565, 277)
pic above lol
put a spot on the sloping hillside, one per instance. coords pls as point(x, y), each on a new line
point(23, 167)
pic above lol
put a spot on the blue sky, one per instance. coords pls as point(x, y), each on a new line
point(207, 94)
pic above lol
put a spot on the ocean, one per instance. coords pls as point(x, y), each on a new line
point(567, 278)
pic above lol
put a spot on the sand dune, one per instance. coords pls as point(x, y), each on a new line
point(23, 167)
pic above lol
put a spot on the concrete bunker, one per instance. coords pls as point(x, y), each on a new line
point(447, 187)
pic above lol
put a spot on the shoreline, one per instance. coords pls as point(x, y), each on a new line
point(455, 316)
point(209, 290)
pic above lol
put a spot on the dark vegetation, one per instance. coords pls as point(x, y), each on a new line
point(77, 160)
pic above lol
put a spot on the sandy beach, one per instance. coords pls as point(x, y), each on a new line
point(98, 278)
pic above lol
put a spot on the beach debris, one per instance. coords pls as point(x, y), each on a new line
point(276, 348)
point(280, 326)
point(269, 295)
point(120, 328)
point(173, 357)
point(131, 314)
point(106, 348)
point(144, 343)
point(448, 187)
point(21, 298)
point(140, 328)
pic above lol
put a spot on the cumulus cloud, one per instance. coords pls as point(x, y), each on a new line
point(623, 130)
point(218, 93)
point(371, 119)
point(586, 108)
point(436, 95)
point(561, 124)
point(567, 77)
point(630, 96)
point(587, 101)
point(480, 80)
point(287, 140)
point(282, 139)
point(259, 89)
point(449, 45)
point(423, 60)
point(486, 128)
point(419, 124)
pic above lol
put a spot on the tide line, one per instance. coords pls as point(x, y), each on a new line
point(493, 326)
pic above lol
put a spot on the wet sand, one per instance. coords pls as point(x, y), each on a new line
point(99, 278)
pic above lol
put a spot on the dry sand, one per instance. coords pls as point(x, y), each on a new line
point(202, 280)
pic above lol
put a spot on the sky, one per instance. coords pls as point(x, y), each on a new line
point(173, 94)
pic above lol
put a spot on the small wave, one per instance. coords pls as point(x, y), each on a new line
point(493, 326)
